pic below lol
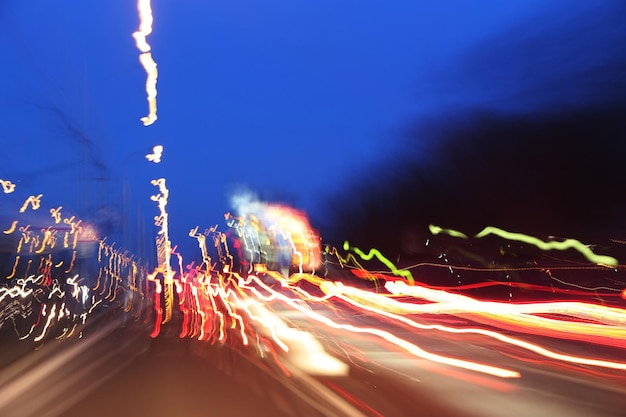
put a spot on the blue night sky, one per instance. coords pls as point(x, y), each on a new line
point(290, 99)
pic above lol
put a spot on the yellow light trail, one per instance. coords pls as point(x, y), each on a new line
point(10, 229)
point(145, 28)
point(34, 201)
point(7, 186)
point(56, 214)
point(47, 237)
point(155, 156)
point(12, 274)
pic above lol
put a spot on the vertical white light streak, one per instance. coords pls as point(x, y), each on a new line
point(145, 28)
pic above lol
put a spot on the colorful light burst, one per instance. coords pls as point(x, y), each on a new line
point(212, 295)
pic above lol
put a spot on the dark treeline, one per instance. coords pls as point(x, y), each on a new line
point(550, 175)
point(529, 134)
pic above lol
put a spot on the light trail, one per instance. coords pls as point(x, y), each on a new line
point(580, 291)
point(435, 230)
point(155, 156)
point(531, 240)
point(7, 186)
point(215, 301)
point(11, 229)
point(212, 301)
point(50, 294)
point(33, 201)
point(385, 335)
point(376, 253)
point(56, 214)
point(145, 28)
point(500, 312)
point(164, 246)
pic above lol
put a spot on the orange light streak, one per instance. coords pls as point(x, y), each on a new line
point(25, 238)
point(56, 214)
point(11, 229)
point(47, 238)
point(34, 201)
point(71, 265)
point(12, 274)
point(72, 223)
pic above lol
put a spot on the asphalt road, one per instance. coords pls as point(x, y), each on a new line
point(116, 369)
point(169, 379)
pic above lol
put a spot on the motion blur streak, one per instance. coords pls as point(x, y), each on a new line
point(164, 246)
point(155, 156)
point(584, 290)
point(389, 337)
point(214, 288)
point(520, 237)
point(609, 329)
point(470, 306)
point(305, 351)
point(435, 230)
point(34, 201)
point(376, 253)
point(145, 28)
point(54, 285)
point(10, 229)
point(7, 186)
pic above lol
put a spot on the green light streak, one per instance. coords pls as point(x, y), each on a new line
point(435, 230)
point(564, 245)
point(376, 253)
point(520, 237)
